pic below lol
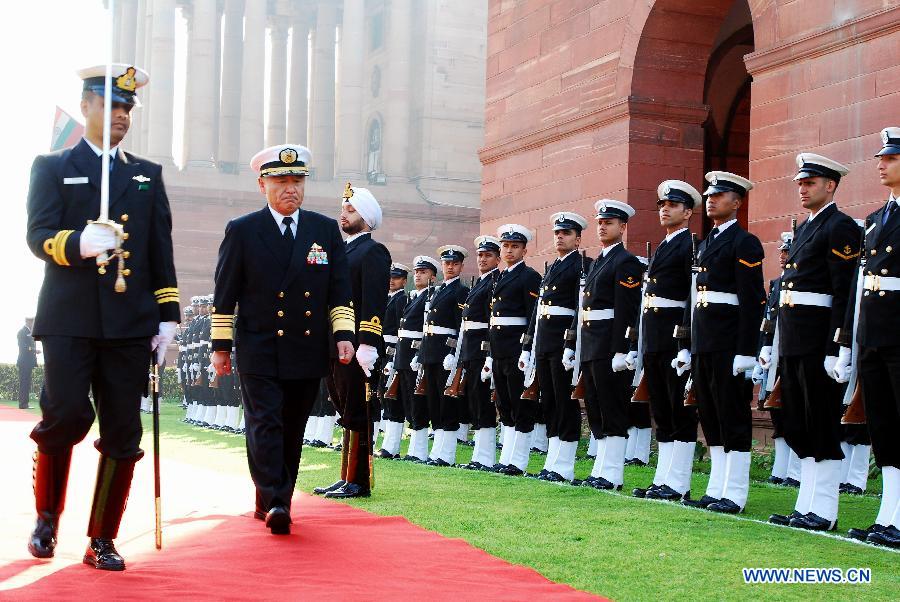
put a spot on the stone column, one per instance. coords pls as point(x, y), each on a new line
point(396, 123)
point(351, 134)
point(275, 131)
point(252, 82)
point(201, 81)
point(127, 31)
point(132, 141)
point(162, 88)
point(299, 101)
point(322, 109)
point(230, 108)
point(147, 63)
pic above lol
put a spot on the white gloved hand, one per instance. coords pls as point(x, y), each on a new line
point(841, 369)
point(765, 357)
point(618, 362)
point(631, 360)
point(829, 363)
point(388, 367)
point(488, 371)
point(568, 359)
point(211, 372)
point(366, 356)
point(742, 363)
point(414, 364)
point(160, 342)
point(682, 362)
point(524, 359)
point(96, 239)
point(449, 362)
point(758, 374)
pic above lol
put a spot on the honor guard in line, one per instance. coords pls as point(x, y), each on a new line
point(203, 366)
point(441, 323)
point(813, 296)
point(287, 270)
point(97, 338)
point(610, 306)
point(544, 343)
point(25, 362)
point(319, 431)
point(666, 295)
point(512, 303)
point(181, 360)
point(351, 385)
point(393, 415)
point(724, 334)
point(472, 354)
point(193, 374)
point(406, 367)
point(870, 342)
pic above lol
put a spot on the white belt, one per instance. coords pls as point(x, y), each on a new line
point(469, 325)
point(431, 329)
point(597, 315)
point(409, 334)
point(706, 297)
point(881, 283)
point(390, 338)
point(499, 321)
point(554, 310)
point(662, 302)
point(792, 298)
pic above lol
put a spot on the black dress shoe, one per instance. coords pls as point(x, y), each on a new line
point(537, 451)
point(775, 480)
point(704, 502)
point(539, 475)
point(43, 539)
point(384, 454)
point(317, 443)
point(497, 467)
point(635, 462)
point(642, 491)
point(408, 458)
point(349, 490)
point(725, 506)
point(259, 514)
point(784, 519)
point(511, 471)
point(862, 534)
point(665, 493)
point(789, 482)
point(889, 537)
point(601, 483)
point(813, 522)
point(474, 466)
point(278, 520)
point(332, 487)
point(438, 462)
point(101, 554)
point(553, 477)
point(851, 489)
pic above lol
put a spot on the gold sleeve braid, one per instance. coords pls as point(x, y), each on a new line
point(56, 247)
point(167, 295)
point(343, 318)
point(221, 327)
point(372, 326)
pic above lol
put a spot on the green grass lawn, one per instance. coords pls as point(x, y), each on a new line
point(602, 542)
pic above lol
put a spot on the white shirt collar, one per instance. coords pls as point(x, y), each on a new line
point(813, 216)
point(392, 293)
point(99, 151)
point(353, 237)
point(669, 237)
point(606, 250)
point(726, 225)
point(561, 259)
point(488, 273)
point(445, 282)
point(514, 266)
point(278, 219)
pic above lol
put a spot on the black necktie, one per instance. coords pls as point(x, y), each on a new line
point(288, 234)
point(714, 232)
point(888, 212)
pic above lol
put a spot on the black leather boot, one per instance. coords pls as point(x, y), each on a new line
point(359, 466)
point(51, 474)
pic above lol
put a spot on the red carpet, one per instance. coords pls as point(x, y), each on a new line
point(214, 549)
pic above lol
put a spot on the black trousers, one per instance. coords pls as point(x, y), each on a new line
point(879, 369)
point(674, 421)
point(855, 434)
point(777, 418)
point(811, 406)
point(562, 414)
point(24, 386)
point(275, 415)
point(441, 409)
point(347, 384)
point(638, 413)
point(478, 396)
point(114, 372)
point(510, 383)
point(417, 405)
point(607, 405)
point(723, 401)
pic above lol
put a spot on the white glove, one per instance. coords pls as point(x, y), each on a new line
point(618, 362)
point(829, 363)
point(765, 357)
point(449, 362)
point(414, 364)
point(524, 359)
point(631, 360)
point(488, 371)
point(388, 367)
point(841, 369)
point(366, 356)
point(682, 362)
point(568, 359)
point(95, 239)
point(160, 342)
point(742, 363)
point(758, 375)
point(211, 372)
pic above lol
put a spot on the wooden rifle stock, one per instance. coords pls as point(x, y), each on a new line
point(689, 399)
point(420, 385)
point(642, 393)
point(773, 401)
point(578, 391)
point(856, 411)
point(393, 388)
point(531, 393)
point(455, 388)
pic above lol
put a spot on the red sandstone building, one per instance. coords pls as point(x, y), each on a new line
point(606, 98)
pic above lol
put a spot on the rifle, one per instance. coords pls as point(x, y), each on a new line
point(457, 383)
point(689, 399)
point(638, 381)
point(684, 332)
point(772, 372)
point(577, 377)
point(773, 401)
point(856, 411)
point(393, 386)
point(421, 381)
point(532, 386)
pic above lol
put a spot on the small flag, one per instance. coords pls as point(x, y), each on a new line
point(66, 131)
